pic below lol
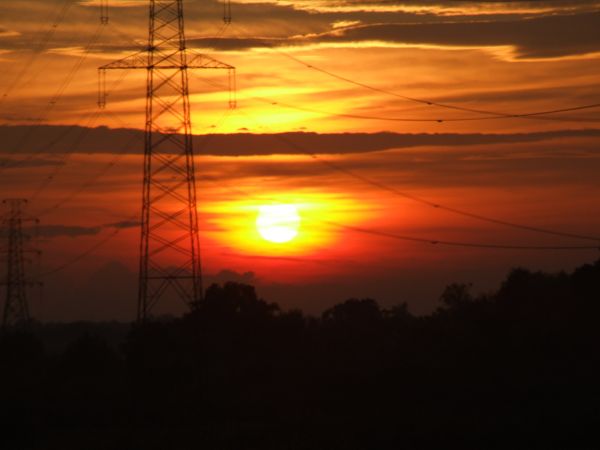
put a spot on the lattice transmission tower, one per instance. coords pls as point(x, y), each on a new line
point(169, 247)
point(104, 12)
point(18, 280)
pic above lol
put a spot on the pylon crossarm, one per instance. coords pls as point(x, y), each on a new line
point(166, 80)
point(202, 61)
point(138, 60)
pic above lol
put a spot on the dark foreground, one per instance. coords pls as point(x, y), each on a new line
point(517, 369)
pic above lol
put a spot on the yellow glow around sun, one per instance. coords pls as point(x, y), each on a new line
point(278, 223)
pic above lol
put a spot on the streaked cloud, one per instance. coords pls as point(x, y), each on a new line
point(534, 29)
point(532, 37)
point(438, 7)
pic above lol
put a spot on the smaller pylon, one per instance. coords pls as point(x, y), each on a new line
point(104, 12)
point(226, 12)
point(16, 309)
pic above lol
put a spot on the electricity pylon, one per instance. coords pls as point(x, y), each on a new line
point(16, 309)
point(104, 12)
point(227, 12)
point(169, 248)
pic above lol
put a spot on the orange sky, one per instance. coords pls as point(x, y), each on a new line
point(502, 56)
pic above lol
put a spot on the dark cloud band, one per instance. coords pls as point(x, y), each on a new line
point(103, 140)
point(539, 37)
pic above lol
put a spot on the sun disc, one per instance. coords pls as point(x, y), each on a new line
point(278, 223)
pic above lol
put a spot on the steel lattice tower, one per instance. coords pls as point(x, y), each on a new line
point(104, 12)
point(16, 310)
point(169, 248)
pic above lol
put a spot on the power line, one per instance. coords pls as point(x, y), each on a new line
point(90, 182)
point(85, 253)
point(440, 206)
point(39, 48)
point(105, 240)
point(461, 244)
point(423, 201)
point(494, 114)
point(502, 115)
point(387, 118)
point(66, 155)
point(418, 199)
point(362, 230)
point(537, 115)
point(12, 164)
point(119, 154)
point(55, 98)
point(396, 236)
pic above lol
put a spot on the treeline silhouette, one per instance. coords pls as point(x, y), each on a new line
point(514, 369)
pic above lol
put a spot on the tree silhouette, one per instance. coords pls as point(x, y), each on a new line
point(516, 368)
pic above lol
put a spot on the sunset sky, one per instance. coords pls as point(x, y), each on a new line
point(328, 68)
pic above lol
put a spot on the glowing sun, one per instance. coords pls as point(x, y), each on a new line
point(278, 223)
